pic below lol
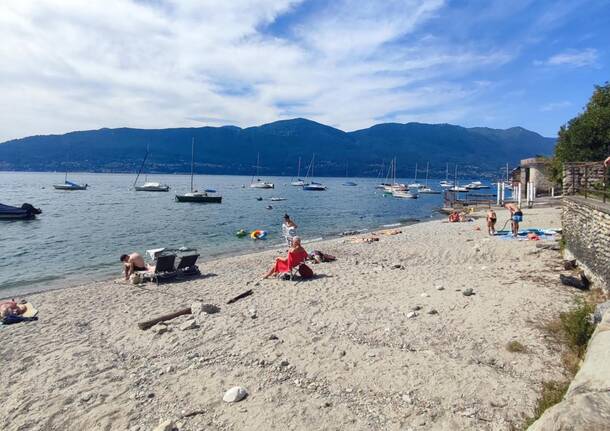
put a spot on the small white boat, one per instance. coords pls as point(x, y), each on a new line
point(258, 184)
point(152, 187)
point(429, 191)
point(277, 199)
point(401, 194)
point(458, 189)
point(298, 182)
point(476, 185)
point(416, 186)
point(446, 184)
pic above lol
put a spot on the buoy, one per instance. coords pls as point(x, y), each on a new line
point(258, 234)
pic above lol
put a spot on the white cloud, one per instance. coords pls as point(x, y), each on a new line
point(72, 65)
point(554, 106)
point(588, 57)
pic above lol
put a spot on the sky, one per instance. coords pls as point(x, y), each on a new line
point(72, 65)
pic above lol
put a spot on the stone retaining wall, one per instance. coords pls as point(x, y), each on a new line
point(580, 175)
point(586, 230)
point(586, 405)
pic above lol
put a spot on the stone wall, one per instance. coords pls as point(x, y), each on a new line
point(586, 230)
point(577, 176)
point(586, 404)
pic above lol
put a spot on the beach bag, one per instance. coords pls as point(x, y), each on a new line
point(305, 271)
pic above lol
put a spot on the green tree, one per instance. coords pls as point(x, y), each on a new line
point(586, 137)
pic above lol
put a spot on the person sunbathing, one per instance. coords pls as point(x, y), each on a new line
point(11, 308)
point(296, 256)
point(133, 262)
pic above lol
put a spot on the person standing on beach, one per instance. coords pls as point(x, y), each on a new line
point(516, 217)
point(491, 222)
point(289, 229)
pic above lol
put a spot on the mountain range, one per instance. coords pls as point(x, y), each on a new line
point(233, 150)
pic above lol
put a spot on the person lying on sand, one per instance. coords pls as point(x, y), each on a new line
point(133, 262)
point(11, 308)
point(491, 221)
point(296, 256)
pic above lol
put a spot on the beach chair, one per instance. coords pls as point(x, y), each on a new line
point(164, 268)
point(188, 265)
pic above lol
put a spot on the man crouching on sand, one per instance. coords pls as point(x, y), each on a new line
point(133, 262)
point(516, 217)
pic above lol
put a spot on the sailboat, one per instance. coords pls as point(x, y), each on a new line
point(259, 184)
point(425, 189)
point(299, 182)
point(194, 195)
point(507, 184)
point(70, 185)
point(148, 186)
point(415, 184)
point(312, 186)
point(446, 183)
point(401, 191)
point(348, 183)
point(456, 188)
point(385, 182)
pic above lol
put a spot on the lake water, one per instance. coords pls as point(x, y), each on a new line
point(81, 234)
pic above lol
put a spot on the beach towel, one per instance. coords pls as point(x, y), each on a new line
point(294, 259)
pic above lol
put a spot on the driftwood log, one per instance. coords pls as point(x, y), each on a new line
point(240, 296)
point(150, 323)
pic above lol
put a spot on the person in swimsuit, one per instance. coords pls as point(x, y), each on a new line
point(133, 262)
point(289, 229)
point(11, 308)
point(491, 222)
point(516, 217)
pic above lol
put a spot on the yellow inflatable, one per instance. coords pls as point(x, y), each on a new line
point(258, 234)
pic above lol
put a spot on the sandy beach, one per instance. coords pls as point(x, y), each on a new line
point(341, 351)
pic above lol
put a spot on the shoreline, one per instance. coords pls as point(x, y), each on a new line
point(80, 281)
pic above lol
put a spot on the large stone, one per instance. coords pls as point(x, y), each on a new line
point(189, 324)
point(167, 425)
point(235, 394)
point(600, 310)
point(468, 291)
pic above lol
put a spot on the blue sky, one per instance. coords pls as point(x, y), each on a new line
point(71, 65)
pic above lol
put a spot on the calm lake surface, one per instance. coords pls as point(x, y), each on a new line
point(81, 234)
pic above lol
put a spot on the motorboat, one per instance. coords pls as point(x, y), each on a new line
point(428, 191)
point(25, 212)
point(458, 189)
point(446, 184)
point(401, 194)
point(476, 185)
point(208, 196)
point(350, 184)
point(152, 187)
point(69, 185)
point(259, 184)
point(315, 187)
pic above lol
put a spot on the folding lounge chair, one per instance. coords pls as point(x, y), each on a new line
point(187, 265)
point(164, 269)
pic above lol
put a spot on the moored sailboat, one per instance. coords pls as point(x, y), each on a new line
point(206, 197)
point(259, 184)
point(311, 185)
point(148, 186)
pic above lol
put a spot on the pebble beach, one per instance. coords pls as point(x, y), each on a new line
point(407, 332)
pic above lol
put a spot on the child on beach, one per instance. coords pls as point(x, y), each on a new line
point(491, 222)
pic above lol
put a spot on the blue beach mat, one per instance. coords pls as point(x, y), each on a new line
point(543, 234)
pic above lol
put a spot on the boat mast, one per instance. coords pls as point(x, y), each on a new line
point(192, 161)
point(427, 167)
point(141, 167)
point(447, 173)
point(415, 181)
point(456, 181)
point(299, 169)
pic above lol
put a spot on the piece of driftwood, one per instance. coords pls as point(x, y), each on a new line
point(581, 283)
point(150, 323)
point(240, 296)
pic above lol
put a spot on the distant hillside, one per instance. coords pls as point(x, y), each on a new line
point(232, 150)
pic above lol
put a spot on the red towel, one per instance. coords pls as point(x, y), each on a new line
point(294, 259)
